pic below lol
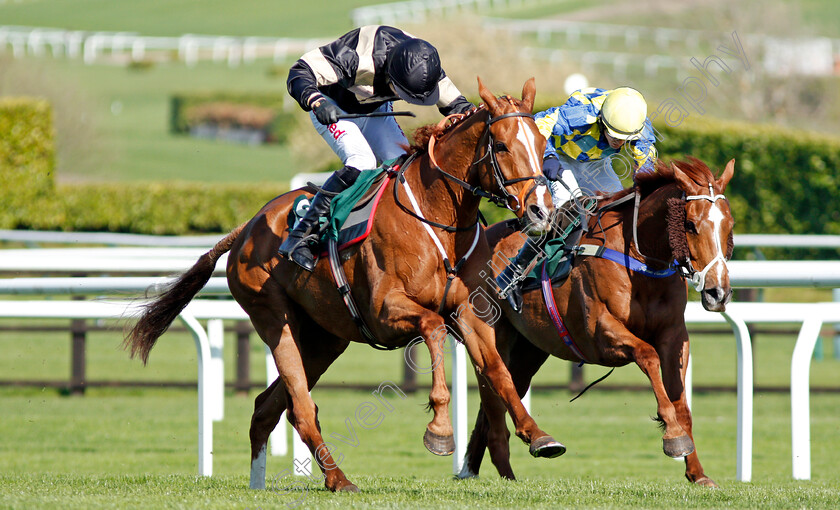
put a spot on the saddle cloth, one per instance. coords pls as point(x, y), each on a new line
point(557, 262)
point(351, 211)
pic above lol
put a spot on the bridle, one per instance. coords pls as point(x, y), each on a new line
point(686, 269)
point(504, 198)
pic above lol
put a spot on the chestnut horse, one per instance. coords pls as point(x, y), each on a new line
point(615, 316)
point(430, 214)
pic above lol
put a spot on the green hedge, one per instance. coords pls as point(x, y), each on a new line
point(785, 181)
point(278, 130)
point(165, 208)
point(27, 155)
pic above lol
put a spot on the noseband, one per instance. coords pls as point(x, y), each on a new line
point(504, 198)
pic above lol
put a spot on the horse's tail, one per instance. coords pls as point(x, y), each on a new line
point(160, 313)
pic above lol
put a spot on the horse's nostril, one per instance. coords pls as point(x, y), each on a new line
point(714, 294)
point(537, 212)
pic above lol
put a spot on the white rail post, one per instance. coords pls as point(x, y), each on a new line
point(800, 410)
point(743, 445)
point(836, 296)
point(459, 403)
point(216, 338)
point(526, 400)
point(205, 381)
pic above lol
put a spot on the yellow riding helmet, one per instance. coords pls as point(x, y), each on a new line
point(623, 113)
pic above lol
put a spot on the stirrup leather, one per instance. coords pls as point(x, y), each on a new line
point(515, 280)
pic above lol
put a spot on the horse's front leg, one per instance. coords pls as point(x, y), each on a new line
point(673, 353)
point(480, 340)
point(439, 436)
point(675, 442)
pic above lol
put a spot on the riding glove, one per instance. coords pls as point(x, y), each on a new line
point(463, 107)
point(551, 168)
point(325, 110)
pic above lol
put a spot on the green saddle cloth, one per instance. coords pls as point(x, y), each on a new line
point(342, 204)
point(554, 258)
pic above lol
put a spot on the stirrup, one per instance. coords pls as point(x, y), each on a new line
point(515, 281)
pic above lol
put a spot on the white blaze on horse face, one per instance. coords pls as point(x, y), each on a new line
point(526, 137)
point(716, 216)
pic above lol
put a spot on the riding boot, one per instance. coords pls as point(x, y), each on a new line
point(296, 247)
point(510, 280)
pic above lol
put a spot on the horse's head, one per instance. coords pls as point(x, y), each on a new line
point(708, 226)
point(511, 157)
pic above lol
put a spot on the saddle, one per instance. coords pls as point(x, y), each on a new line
point(351, 212)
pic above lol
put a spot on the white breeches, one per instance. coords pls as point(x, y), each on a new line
point(584, 178)
point(366, 142)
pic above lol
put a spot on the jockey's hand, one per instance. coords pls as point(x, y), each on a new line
point(467, 106)
point(551, 168)
point(325, 110)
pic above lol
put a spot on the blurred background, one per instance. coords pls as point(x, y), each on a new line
point(113, 71)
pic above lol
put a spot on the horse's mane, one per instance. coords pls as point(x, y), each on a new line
point(424, 133)
point(648, 182)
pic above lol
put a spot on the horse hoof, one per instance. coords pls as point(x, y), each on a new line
point(705, 481)
point(349, 488)
point(678, 446)
point(439, 445)
point(546, 447)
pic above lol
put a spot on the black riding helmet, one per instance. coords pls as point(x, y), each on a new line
point(414, 70)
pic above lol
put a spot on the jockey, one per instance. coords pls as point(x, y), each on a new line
point(363, 71)
point(585, 135)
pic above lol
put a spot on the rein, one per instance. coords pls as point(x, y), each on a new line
point(506, 199)
point(684, 268)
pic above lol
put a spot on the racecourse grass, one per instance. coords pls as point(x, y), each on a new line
point(130, 449)
point(137, 448)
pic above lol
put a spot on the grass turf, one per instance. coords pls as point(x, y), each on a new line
point(114, 448)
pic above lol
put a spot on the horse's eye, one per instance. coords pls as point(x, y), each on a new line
point(690, 227)
point(500, 147)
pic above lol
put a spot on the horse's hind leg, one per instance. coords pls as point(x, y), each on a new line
point(292, 362)
point(268, 407)
point(271, 403)
point(674, 359)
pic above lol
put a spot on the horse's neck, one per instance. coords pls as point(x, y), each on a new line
point(441, 200)
point(652, 226)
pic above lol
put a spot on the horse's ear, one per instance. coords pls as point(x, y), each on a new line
point(724, 179)
point(529, 91)
point(685, 182)
point(487, 96)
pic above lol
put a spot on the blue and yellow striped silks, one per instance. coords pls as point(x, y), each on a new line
point(574, 129)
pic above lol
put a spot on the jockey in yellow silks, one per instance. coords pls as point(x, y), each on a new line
point(588, 136)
